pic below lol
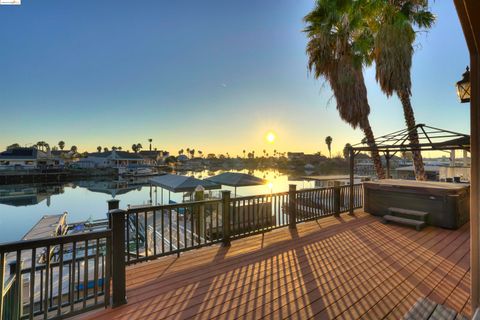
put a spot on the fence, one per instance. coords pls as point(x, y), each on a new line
point(64, 276)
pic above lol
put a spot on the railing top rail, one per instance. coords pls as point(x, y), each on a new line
point(172, 206)
point(326, 188)
point(260, 196)
point(43, 242)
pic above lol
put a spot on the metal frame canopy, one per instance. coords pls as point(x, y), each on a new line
point(430, 138)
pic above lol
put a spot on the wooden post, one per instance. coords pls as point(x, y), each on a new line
point(117, 216)
point(469, 14)
point(292, 206)
point(387, 159)
point(112, 205)
point(226, 217)
point(336, 198)
point(352, 167)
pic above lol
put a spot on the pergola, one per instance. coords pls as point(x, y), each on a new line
point(429, 138)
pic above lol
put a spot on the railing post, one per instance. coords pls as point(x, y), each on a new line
point(112, 205)
point(226, 217)
point(292, 206)
point(117, 218)
point(336, 198)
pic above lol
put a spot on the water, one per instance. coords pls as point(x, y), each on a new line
point(21, 206)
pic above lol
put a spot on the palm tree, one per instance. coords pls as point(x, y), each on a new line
point(192, 153)
point(150, 141)
point(180, 152)
point(61, 144)
point(105, 149)
point(393, 52)
point(336, 51)
point(139, 146)
point(74, 149)
point(99, 149)
point(244, 153)
point(328, 141)
point(134, 148)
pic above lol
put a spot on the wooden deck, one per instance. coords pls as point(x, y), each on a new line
point(347, 267)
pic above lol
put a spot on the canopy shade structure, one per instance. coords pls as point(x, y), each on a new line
point(430, 138)
point(177, 183)
point(236, 179)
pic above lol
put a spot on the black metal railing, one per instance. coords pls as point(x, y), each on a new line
point(63, 276)
point(55, 277)
point(253, 214)
point(155, 231)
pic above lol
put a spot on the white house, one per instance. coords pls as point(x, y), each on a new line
point(110, 159)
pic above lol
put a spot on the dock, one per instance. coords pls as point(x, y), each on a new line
point(48, 226)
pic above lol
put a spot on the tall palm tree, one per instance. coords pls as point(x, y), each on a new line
point(139, 146)
point(134, 148)
point(99, 149)
point(394, 24)
point(61, 144)
point(328, 141)
point(244, 151)
point(150, 142)
point(337, 53)
point(74, 149)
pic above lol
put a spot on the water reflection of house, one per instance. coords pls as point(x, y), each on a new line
point(113, 187)
point(26, 195)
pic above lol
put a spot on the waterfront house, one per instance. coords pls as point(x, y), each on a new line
point(154, 157)
point(110, 159)
point(25, 158)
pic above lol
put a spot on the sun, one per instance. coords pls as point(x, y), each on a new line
point(270, 137)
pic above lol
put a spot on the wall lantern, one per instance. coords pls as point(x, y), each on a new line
point(463, 87)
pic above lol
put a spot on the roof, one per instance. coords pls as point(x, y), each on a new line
point(20, 153)
point(178, 183)
point(236, 179)
point(116, 155)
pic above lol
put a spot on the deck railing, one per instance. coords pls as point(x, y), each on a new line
point(63, 276)
point(55, 277)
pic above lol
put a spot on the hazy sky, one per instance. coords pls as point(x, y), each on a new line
point(214, 75)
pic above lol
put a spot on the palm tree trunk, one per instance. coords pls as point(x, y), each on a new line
point(377, 162)
point(412, 135)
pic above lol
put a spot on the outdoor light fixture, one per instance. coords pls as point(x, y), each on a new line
point(463, 87)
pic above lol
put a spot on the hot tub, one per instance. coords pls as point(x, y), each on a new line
point(447, 203)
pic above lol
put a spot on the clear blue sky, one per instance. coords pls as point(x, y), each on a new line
point(213, 75)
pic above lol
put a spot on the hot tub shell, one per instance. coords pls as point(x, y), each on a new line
point(447, 203)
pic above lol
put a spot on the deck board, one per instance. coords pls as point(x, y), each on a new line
point(347, 267)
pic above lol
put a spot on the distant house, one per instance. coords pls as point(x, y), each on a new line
point(25, 158)
point(62, 157)
point(154, 157)
point(408, 173)
point(110, 159)
point(295, 156)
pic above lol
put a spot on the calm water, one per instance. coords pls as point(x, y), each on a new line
point(21, 206)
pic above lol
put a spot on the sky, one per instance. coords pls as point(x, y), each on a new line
point(213, 75)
